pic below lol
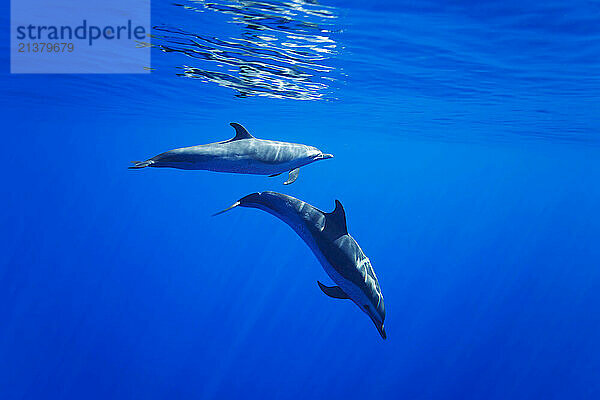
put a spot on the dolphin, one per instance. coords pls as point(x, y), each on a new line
point(243, 154)
point(339, 254)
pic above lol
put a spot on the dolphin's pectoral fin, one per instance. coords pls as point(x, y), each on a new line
point(292, 176)
point(333, 291)
point(274, 175)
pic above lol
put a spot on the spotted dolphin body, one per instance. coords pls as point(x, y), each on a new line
point(243, 154)
point(339, 254)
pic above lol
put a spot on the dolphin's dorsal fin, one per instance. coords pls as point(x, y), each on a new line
point(335, 221)
point(240, 132)
point(333, 291)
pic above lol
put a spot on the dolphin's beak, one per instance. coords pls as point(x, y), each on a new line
point(378, 325)
point(324, 156)
point(381, 330)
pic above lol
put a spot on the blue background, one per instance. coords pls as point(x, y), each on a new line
point(466, 156)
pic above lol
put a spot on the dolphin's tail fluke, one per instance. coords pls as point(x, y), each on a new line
point(140, 164)
point(234, 205)
point(250, 200)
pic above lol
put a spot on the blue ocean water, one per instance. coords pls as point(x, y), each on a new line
point(466, 151)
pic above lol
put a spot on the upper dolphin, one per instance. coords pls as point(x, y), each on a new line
point(339, 254)
point(243, 154)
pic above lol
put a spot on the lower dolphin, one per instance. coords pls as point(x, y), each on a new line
point(339, 254)
point(243, 154)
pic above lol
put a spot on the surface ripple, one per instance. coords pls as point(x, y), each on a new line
point(279, 49)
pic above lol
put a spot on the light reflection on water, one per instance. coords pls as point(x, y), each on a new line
point(281, 51)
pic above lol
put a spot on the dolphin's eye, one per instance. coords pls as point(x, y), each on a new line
point(367, 307)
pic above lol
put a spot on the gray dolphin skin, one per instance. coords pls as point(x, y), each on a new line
point(243, 154)
point(339, 254)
